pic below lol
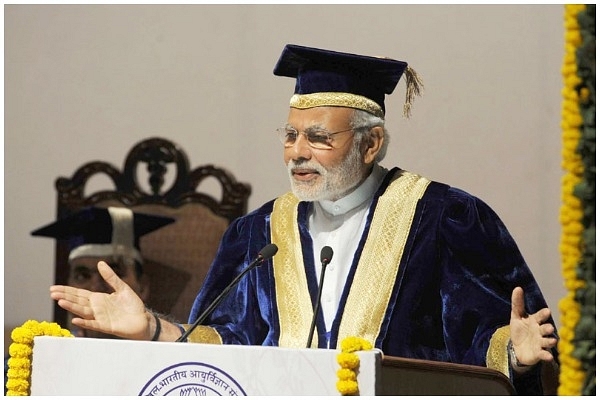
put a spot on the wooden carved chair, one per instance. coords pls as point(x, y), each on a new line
point(177, 257)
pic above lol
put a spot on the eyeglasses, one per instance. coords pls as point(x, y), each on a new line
point(317, 138)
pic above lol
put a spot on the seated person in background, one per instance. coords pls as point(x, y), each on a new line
point(104, 234)
point(421, 269)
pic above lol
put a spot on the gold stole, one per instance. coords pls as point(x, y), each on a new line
point(375, 275)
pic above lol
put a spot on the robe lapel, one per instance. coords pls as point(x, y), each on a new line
point(379, 263)
point(376, 270)
point(293, 299)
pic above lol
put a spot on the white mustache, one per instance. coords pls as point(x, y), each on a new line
point(304, 164)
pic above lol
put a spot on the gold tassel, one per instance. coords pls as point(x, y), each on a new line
point(414, 87)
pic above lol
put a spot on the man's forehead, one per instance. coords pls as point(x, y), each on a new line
point(320, 115)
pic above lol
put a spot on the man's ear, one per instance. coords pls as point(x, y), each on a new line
point(373, 144)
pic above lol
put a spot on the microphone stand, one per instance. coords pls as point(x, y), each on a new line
point(316, 308)
point(268, 251)
point(326, 255)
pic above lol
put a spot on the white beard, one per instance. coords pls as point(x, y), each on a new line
point(331, 184)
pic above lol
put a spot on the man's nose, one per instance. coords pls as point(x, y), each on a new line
point(301, 148)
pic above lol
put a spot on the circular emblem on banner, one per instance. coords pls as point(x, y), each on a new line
point(192, 379)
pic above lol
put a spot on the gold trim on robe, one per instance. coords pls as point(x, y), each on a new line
point(293, 299)
point(497, 353)
point(376, 272)
point(203, 334)
point(379, 262)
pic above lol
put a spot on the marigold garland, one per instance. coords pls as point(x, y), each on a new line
point(578, 237)
point(20, 351)
point(349, 362)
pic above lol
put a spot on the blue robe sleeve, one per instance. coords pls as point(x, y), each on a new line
point(481, 265)
point(243, 315)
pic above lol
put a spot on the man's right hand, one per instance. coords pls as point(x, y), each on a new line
point(121, 313)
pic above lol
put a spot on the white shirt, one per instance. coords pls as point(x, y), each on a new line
point(339, 225)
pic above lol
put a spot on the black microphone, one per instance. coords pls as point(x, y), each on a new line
point(267, 252)
point(326, 255)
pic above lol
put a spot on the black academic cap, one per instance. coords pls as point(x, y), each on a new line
point(326, 78)
point(101, 232)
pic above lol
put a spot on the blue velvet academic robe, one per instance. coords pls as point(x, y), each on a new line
point(446, 297)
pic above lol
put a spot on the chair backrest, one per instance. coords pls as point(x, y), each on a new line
point(177, 257)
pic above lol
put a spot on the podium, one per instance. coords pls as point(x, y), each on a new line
point(83, 367)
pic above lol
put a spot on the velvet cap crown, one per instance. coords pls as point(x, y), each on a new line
point(103, 232)
point(326, 71)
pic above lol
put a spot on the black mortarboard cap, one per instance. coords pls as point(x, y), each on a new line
point(95, 231)
point(318, 72)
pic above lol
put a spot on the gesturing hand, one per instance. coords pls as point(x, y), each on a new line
point(529, 333)
point(121, 313)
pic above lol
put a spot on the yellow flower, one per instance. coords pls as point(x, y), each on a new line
point(347, 387)
point(345, 374)
point(584, 94)
point(18, 373)
point(17, 363)
point(346, 360)
point(20, 351)
point(17, 387)
point(349, 362)
point(352, 344)
point(571, 212)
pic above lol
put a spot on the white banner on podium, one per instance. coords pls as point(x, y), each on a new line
point(94, 367)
